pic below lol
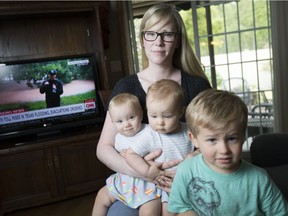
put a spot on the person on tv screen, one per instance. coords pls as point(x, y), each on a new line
point(53, 88)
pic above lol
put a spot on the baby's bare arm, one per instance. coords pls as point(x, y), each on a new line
point(149, 170)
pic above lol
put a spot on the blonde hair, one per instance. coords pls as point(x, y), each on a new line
point(184, 57)
point(166, 88)
point(214, 109)
point(126, 98)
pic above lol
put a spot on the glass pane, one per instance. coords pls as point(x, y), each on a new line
point(250, 74)
point(262, 14)
point(245, 14)
point(208, 73)
point(263, 39)
point(268, 96)
point(217, 19)
point(235, 70)
point(205, 61)
point(233, 48)
point(202, 22)
point(221, 75)
point(264, 54)
point(248, 46)
point(187, 19)
point(231, 18)
point(239, 86)
point(204, 47)
point(265, 75)
point(137, 22)
point(219, 45)
point(221, 59)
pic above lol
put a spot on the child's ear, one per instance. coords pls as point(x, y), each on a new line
point(193, 139)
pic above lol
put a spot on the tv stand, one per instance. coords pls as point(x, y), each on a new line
point(49, 133)
point(46, 170)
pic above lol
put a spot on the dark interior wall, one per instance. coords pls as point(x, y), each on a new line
point(38, 30)
point(44, 36)
point(118, 54)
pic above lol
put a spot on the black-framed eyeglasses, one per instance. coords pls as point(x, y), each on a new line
point(165, 36)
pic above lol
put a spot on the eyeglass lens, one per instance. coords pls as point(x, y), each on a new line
point(165, 36)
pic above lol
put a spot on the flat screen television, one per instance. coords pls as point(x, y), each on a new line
point(26, 107)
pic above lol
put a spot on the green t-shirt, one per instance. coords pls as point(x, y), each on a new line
point(248, 191)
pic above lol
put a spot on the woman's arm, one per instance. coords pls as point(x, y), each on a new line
point(141, 166)
point(106, 152)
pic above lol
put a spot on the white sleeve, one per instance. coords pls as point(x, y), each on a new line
point(143, 142)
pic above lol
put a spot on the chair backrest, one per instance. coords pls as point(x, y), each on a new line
point(269, 150)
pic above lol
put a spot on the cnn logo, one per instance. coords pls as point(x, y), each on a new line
point(90, 105)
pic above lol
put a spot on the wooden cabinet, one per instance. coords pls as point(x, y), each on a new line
point(48, 170)
point(25, 179)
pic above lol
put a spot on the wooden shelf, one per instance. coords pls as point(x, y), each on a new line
point(45, 171)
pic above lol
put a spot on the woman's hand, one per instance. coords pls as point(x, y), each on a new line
point(165, 179)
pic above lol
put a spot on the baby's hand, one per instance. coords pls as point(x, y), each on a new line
point(164, 181)
point(164, 185)
point(123, 153)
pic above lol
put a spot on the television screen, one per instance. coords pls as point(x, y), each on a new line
point(43, 96)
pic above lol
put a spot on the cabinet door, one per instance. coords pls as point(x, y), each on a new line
point(82, 171)
point(27, 179)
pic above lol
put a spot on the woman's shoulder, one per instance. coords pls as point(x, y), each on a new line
point(128, 84)
point(128, 79)
point(192, 85)
point(197, 80)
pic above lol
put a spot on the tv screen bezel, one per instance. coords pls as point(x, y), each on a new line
point(61, 125)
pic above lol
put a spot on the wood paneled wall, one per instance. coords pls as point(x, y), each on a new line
point(44, 36)
point(42, 30)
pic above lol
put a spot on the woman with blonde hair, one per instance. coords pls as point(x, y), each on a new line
point(167, 54)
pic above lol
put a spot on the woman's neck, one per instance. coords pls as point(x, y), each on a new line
point(152, 74)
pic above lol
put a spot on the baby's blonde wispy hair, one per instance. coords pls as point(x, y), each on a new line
point(126, 98)
point(167, 88)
